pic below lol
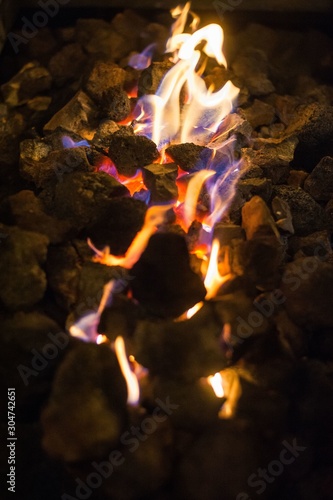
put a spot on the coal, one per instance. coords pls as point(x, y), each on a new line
point(84, 197)
point(307, 215)
point(28, 213)
point(259, 113)
point(164, 283)
point(116, 105)
point(103, 133)
point(273, 156)
point(22, 278)
point(251, 65)
point(85, 414)
point(30, 81)
point(315, 244)
point(151, 77)
point(41, 165)
point(130, 152)
point(78, 115)
point(319, 184)
point(120, 318)
point(255, 187)
point(313, 125)
point(103, 77)
point(67, 64)
point(161, 181)
point(190, 157)
point(180, 350)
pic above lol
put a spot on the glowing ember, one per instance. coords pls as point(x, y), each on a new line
point(133, 389)
point(215, 381)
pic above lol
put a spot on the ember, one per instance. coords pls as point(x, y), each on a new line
point(166, 208)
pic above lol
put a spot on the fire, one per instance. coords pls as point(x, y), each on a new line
point(133, 389)
point(214, 280)
point(216, 382)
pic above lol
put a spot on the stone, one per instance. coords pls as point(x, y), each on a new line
point(319, 184)
point(30, 81)
point(22, 278)
point(251, 65)
point(130, 152)
point(103, 77)
point(151, 77)
point(307, 215)
point(297, 178)
point(257, 219)
point(67, 64)
point(259, 113)
point(190, 157)
point(104, 132)
point(254, 186)
point(161, 182)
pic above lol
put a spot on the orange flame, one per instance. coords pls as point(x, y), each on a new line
point(216, 382)
point(133, 389)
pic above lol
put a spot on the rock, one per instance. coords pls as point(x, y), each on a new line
point(67, 64)
point(316, 244)
point(257, 219)
point(104, 132)
point(78, 115)
point(164, 284)
point(319, 184)
point(297, 178)
point(84, 197)
point(251, 65)
point(28, 213)
point(86, 413)
point(161, 182)
point(259, 113)
point(273, 156)
point(282, 214)
point(307, 284)
point(190, 157)
point(103, 77)
point(307, 215)
point(30, 81)
point(151, 77)
point(130, 152)
point(22, 279)
point(254, 186)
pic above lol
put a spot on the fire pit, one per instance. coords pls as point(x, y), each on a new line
point(166, 259)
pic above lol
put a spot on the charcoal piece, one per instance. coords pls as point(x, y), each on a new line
point(103, 77)
point(316, 244)
point(28, 213)
point(273, 156)
point(282, 214)
point(313, 125)
point(180, 350)
point(120, 318)
point(221, 446)
point(78, 115)
point(297, 178)
point(307, 215)
point(255, 186)
point(198, 407)
point(84, 197)
point(259, 113)
point(257, 219)
point(251, 65)
point(41, 166)
point(67, 64)
point(151, 77)
point(164, 283)
point(307, 286)
point(98, 38)
point(190, 157)
point(104, 132)
point(30, 81)
point(161, 181)
point(22, 279)
point(319, 184)
point(86, 412)
point(130, 152)
point(63, 268)
point(118, 226)
point(116, 105)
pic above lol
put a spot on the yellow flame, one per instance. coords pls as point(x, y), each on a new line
point(101, 339)
point(214, 280)
point(191, 312)
point(154, 217)
point(133, 389)
point(192, 194)
point(215, 381)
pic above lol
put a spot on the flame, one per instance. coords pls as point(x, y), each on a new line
point(133, 389)
point(102, 339)
point(192, 194)
point(193, 310)
point(142, 60)
point(154, 217)
point(216, 382)
point(68, 143)
point(163, 119)
point(214, 280)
